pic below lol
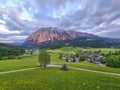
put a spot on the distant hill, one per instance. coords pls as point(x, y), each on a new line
point(3, 45)
point(54, 37)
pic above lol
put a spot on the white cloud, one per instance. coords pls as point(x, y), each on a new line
point(117, 21)
point(2, 21)
point(4, 30)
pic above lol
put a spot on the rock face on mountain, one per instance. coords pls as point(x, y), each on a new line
point(50, 34)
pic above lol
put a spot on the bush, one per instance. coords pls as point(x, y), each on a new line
point(11, 57)
point(64, 67)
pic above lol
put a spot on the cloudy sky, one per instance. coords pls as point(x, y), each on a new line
point(20, 18)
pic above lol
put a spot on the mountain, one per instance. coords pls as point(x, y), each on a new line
point(53, 36)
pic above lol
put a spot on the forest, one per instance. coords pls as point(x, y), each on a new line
point(9, 51)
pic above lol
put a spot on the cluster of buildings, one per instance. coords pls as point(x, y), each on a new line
point(94, 57)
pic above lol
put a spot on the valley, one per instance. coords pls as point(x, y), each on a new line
point(59, 45)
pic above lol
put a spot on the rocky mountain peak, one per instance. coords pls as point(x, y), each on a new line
point(54, 34)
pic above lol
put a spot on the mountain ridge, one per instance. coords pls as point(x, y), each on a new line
point(49, 35)
point(54, 34)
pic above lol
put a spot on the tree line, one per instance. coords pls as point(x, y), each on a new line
point(9, 51)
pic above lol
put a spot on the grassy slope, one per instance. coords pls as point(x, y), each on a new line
point(26, 62)
point(92, 66)
point(55, 79)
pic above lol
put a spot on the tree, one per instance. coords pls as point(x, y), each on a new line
point(103, 60)
point(44, 58)
point(113, 61)
point(83, 57)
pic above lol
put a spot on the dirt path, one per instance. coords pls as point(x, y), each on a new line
point(117, 74)
point(80, 69)
point(5, 72)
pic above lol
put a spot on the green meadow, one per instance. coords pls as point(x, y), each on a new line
point(55, 79)
point(25, 62)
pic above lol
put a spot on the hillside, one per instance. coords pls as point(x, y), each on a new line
point(58, 37)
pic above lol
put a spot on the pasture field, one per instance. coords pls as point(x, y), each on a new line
point(56, 79)
point(93, 66)
point(74, 49)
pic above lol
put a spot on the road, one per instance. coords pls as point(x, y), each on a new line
point(79, 69)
